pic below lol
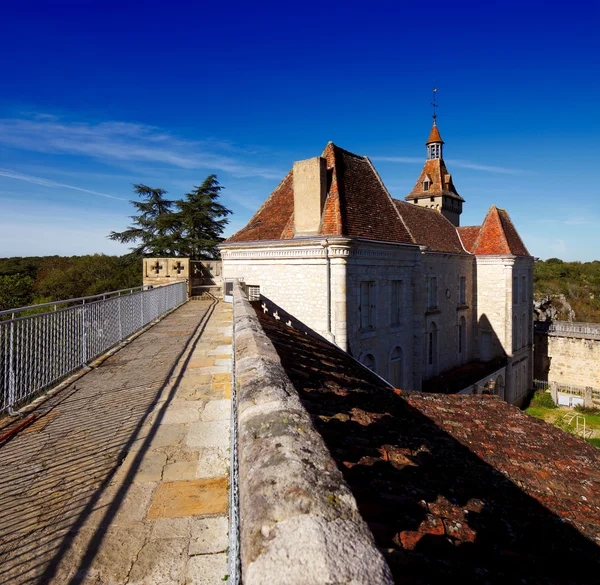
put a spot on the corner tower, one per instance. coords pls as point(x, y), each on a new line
point(434, 188)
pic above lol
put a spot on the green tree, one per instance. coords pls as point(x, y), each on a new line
point(152, 229)
point(200, 221)
point(16, 290)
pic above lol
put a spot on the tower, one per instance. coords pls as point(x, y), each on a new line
point(434, 187)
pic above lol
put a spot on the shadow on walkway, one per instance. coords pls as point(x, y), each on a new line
point(54, 473)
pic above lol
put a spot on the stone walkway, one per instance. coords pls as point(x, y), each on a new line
point(123, 480)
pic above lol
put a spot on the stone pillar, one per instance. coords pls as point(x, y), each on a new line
point(554, 391)
point(587, 397)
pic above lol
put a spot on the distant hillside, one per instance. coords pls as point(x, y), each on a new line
point(569, 289)
point(31, 280)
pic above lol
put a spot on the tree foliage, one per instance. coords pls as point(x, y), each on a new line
point(190, 227)
point(578, 282)
point(55, 278)
point(200, 221)
point(151, 231)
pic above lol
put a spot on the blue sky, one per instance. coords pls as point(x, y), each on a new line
point(97, 96)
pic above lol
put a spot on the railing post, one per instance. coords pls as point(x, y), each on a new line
point(83, 336)
point(11, 369)
point(120, 325)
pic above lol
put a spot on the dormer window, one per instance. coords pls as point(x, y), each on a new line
point(425, 185)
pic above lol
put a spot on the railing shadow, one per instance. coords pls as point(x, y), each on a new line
point(438, 510)
point(48, 496)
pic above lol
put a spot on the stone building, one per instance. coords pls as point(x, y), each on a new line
point(396, 284)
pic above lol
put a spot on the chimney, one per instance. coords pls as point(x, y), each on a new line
point(310, 191)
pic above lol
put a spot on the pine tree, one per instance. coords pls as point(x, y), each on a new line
point(152, 232)
point(200, 221)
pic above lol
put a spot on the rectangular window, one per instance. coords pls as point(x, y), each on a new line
point(396, 302)
point(523, 289)
point(367, 305)
point(462, 292)
point(432, 292)
point(515, 290)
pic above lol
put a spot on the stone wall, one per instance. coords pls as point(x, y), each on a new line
point(495, 312)
point(300, 523)
point(568, 359)
point(197, 273)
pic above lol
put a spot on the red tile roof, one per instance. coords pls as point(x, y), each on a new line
point(468, 235)
point(498, 235)
point(466, 489)
point(357, 205)
point(430, 228)
point(441, 182)
point(434, 135)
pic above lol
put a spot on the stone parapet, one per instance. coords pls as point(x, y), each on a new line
point(300, 523)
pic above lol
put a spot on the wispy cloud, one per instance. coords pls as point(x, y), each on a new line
point(465, 164)
point(124, 142)
point(48, 183)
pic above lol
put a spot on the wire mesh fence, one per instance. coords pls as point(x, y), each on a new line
point(42, 344)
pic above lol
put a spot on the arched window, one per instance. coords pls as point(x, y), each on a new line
point(369, 361)
point(462, 338)
point(432, 348)
point(524, 336)
point(397, 368)
point(514, 334)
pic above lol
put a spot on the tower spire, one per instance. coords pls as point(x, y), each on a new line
point(434, 104)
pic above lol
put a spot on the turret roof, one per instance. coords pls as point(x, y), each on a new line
point(497, 235)
point(434, 135)
point(441, 182)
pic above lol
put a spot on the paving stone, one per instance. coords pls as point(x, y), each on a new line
point(207, 569)
point(213, 463)
point(207, 434)
point(217, 410)
point(221, 349)
point(180, 470)
point(161, 562)
point(189, 498)
point(182, 413)
point(151, 467)
point(168, 434)
point(209, 535)
point(170, 528)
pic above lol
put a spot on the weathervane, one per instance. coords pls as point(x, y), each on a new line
point(434, 104)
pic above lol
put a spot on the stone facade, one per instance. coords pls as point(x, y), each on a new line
point(505, 318)
point(318, 281)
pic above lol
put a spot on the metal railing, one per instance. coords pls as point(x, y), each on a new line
point(568, 329)
point(42, 344)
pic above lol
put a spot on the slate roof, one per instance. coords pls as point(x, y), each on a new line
point(441, 182)
point(357, 205)
point(430, 228)
point(460, 489)
point(497, 235)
